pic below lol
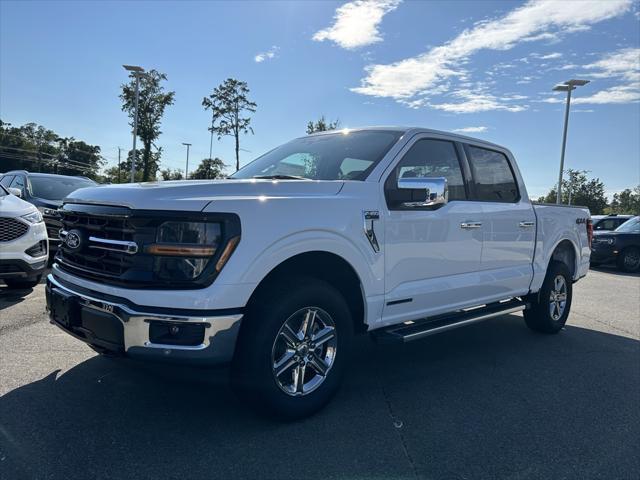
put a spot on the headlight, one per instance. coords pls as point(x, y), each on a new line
point(611, 241)
point(49, 212)
point(184, 249)
point(33, 217)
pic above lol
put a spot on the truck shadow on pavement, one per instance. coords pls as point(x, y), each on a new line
point(489, 401)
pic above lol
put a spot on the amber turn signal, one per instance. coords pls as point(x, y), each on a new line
point(226, 253)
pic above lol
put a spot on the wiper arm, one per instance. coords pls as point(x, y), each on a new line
point(280, 177)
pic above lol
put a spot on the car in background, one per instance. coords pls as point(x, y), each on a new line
point(608, 222)
point(45, 191)
point(23, 242)
point(622, 246)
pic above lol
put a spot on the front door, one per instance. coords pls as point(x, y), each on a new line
point(432, 256)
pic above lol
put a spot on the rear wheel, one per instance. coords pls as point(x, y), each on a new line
point(23, 283)
point(550, 307)
point(293, 347)
point(629, 260)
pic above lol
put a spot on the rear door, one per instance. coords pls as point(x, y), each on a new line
point(431, 258)
point(509, 223)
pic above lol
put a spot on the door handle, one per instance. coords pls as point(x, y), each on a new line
point(527, 224)
point(470, 225)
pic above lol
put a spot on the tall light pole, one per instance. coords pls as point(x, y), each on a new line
point(186, 170)
point(137, 71)
point(566, 87)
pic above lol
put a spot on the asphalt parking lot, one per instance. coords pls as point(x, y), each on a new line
point(492, 400)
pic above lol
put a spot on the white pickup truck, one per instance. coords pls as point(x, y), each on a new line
point(399, 232)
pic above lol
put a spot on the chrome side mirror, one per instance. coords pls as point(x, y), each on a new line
point(434, 190)
point(15, 191)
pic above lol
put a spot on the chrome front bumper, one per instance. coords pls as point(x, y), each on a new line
point(220, 331)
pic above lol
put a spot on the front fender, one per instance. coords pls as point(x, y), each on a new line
point(368, 266)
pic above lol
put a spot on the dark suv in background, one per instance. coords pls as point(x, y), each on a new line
point(622, 246)
point(45, 191)
point(608, 222)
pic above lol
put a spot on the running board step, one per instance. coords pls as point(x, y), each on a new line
point(430, 326)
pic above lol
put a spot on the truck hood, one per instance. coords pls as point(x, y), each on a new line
point(195, 195)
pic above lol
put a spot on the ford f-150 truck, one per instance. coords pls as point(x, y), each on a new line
point(398, 232)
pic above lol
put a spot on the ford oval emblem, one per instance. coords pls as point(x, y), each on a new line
point(73, 240)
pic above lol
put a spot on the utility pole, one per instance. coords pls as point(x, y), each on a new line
point(119, 164)
point(565, 87)
point(137, 71)
point(186, 170)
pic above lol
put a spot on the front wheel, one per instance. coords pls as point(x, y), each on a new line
point(550, 307)
point(629, 260)
point(293, 347)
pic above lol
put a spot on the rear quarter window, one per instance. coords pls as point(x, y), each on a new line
point(493, 177)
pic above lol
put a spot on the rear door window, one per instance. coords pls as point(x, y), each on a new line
point(608, 224)
point(493, 177)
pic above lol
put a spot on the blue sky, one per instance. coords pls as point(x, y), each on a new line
point(483, 67)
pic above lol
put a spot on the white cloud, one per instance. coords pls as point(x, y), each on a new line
point(356, 23)
point(551, 56)
point(535, 20)
point(268, 55)
point(622, 65)
point(618, 94)
point(474, 101)
point(471, 129)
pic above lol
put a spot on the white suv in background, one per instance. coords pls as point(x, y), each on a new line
point(24, 247)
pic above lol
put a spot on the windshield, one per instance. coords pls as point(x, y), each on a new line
point(630, 226)
point(340, 156)
point(56, 188)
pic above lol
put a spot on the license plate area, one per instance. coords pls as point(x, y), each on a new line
point(64, 308)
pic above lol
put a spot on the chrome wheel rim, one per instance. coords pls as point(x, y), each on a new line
point(304, 351)
point(558, 297)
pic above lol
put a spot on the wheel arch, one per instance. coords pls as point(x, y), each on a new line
point(327, 266)
point(567, 252)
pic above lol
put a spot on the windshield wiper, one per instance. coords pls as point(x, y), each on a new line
point(280, 177)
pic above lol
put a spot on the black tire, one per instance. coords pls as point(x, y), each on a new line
point(539, 317)
point(629, 260)
point(23, 284)
point(252, 374)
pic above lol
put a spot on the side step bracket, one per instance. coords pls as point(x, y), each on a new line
point(430, 326)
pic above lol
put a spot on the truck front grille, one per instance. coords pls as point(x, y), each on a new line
point(113, 240)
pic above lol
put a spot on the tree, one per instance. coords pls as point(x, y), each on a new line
point(152, 103)
point(321, 125)
point(581, 191)
point(626, 202)
point(168, 174)
point(209, 168)
point(36, 148)
point(228, 103)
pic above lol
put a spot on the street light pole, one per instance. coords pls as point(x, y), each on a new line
point(186, 170)
point(137, 71)
point(565, 87)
